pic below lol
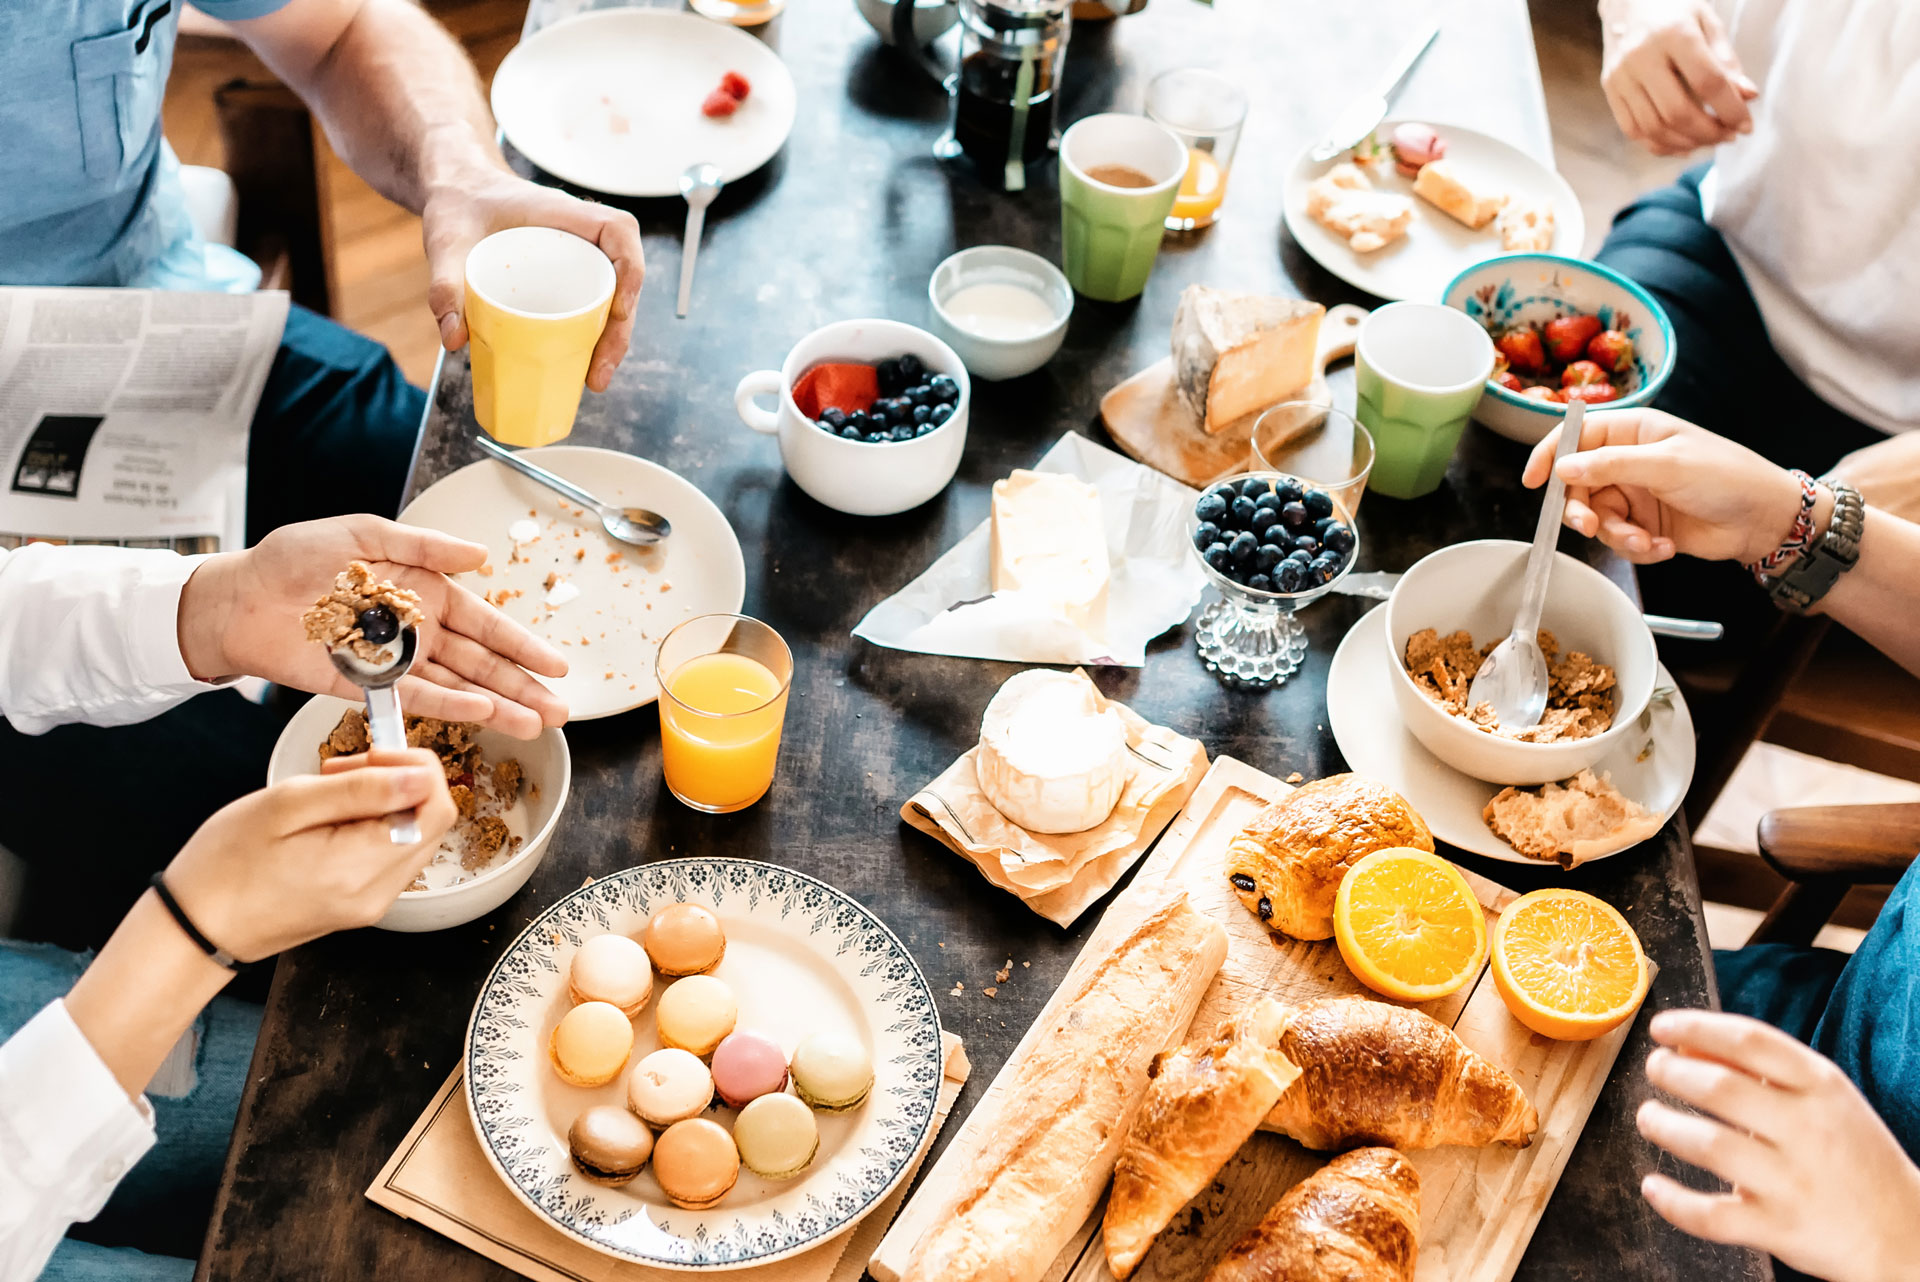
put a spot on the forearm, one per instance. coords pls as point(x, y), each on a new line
point(142, 993)
point(1879, 599)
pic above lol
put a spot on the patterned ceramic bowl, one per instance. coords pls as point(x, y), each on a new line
point(1521, 289)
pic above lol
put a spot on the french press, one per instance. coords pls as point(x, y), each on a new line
point(1006, 88)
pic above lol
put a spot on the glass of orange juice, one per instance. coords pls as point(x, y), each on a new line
point(723, 699)
point(741, 13)
point(1204, 110)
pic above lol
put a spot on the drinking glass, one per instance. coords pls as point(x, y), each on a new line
point(1319, 444)
point(740, 13)
point(1205, 110)
point(723, 700)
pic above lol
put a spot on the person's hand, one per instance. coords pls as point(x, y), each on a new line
point(1818, 1179)
point(311, 855)
point(240, 614)
point(1887, 474)
point(459, 215)
point(1649, 485)
point(1671, 76)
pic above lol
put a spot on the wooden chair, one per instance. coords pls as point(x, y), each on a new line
point(1824, 852)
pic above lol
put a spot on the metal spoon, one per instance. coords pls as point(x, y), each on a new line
point(699, 184)
point(385, 725)
point(635, 525)
point(1513, 678)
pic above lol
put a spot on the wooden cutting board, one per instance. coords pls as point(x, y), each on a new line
point(1478, 1206)
point(1148, 420)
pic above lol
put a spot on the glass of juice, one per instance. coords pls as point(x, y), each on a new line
point(1205, 110)
point(1316, 443)
point(740, 13)
point(723, 699)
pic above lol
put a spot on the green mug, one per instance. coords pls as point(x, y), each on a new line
point(1118, 178)
point(1420, 369)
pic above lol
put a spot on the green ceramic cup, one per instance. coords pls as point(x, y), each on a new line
point(1420, 369)
point(1110, 233)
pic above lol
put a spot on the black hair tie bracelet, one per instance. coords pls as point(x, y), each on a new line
point(207, 946)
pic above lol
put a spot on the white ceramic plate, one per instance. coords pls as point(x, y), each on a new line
point(610, 100)
point(630, 598)
point(1435, 248)
point(801, 957)
point(1653, 769)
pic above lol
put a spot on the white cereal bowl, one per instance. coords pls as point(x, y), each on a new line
point(990, 358)
point(547, 763)
point(931, 18)
point(1524, 289)
point(1476, 587)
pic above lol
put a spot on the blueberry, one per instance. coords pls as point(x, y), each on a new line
point(1294, 515)
point(944, 388)
point(1318, 575)
point(1267, 498)
point(904, 432)
point(1226, 492)
point(1289, 490)
point(1253, 487)
point(1211, 507)
point(912, 369)
point(1319, 503)
point(378, 624)
point(1244, 547)
point(1219, 557)
point(1299, 558)
point(888, 372)
point(1263, 519)
point(879, 436)
point(1260, 583)
point(1205, 533)
point(941, 413)
point(1243, 510)
point(860, 421)
point(1269, 555)
point(1290, 577)
point(920, 394)
point(922, 415)
point(1338, 538)
point(834, 418)
point(923, 428)
point(1321, 526)
point(1307, 543)
point(852, 433)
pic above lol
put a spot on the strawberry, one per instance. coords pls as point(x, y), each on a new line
point(719, 103)
point(1568, 336)
point(1539, 393)
point(1582, 373)
point(736, 86)
point(1522, 349)
point(1591, 393)
point(1612, 351)
point(1510, 380)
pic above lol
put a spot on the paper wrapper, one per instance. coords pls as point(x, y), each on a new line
point(953, 609)
point(440, 1178)
point(1060, 875)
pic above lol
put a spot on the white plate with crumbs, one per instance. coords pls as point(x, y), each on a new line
point(1653, 769)
point(606, 606)
point(1436, 248)
point(610, 100)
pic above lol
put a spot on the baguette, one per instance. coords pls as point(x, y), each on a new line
point(1031, 1186)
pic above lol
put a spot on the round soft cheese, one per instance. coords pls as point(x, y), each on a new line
point(1051, 759)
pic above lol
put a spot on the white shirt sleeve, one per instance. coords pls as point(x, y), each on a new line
point(91, 634)
point(68, 1133)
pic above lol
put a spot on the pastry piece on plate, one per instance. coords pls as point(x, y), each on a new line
point(1375, 1073)
point(1345, 202)
point(1453, 191)
point(1287, 864)
point(1581, 819)
point(1045, 1161)
point(1356, 1219)
point(1526, 226)
point(1203, 1104)
point(1234, 354)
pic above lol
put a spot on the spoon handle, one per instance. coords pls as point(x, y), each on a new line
point(1546, 535)
point(535, 472)
point(689, 254)
point(388, 730)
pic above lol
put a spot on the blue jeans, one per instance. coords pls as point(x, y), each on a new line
point(164, 1202)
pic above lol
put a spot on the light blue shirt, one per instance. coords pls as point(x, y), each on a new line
point(89, 191)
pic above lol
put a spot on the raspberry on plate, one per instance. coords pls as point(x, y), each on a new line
point(719, 103)
point(736, 86)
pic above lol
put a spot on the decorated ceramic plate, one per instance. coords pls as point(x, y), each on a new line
point(1436, 248)
point(1653, 769)
point(801, 957)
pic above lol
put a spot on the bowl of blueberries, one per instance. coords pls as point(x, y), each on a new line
point(1270, 543)
point(872, 416)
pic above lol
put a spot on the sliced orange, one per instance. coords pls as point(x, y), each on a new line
point(1408, 925)
point(1567, 965)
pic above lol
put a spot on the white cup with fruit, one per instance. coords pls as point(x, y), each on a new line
point(872, 415)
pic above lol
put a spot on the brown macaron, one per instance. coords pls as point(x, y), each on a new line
point(696, 1163)
point(685, 939)
point(608, 1144)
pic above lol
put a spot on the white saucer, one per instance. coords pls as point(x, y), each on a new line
point(1653, 771)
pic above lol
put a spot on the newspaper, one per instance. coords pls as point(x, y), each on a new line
point(124, 414)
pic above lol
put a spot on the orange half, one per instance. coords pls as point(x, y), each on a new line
point(1567, 965)
point(1408, 925)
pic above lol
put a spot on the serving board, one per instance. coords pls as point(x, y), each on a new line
point(1478, 1206)
point(1148, 420)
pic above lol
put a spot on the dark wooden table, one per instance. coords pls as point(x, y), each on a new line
point(849, 221)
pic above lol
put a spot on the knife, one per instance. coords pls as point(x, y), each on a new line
point(1363, 117)
point(1378, 585)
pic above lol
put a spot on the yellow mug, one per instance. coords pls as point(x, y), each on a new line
point(537, 299)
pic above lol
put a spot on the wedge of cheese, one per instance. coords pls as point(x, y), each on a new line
point(1234, 354)
point(1049, 539)
point(1455, 192)
point(1052, 757)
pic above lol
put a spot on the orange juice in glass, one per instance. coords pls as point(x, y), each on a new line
point(723, 700)
point(1205, 111)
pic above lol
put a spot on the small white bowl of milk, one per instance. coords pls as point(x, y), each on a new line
point(1002, 309)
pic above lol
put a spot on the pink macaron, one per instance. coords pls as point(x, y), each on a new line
point(746, 1066)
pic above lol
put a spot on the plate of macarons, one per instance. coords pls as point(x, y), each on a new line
point(704, 1063)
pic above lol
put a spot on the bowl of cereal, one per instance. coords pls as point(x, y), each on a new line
point(1455, 604)
point(510, 793)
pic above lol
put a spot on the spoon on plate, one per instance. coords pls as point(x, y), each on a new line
point(699, 184)
point(379, 626)
point(1513, 678)
point(635, 525)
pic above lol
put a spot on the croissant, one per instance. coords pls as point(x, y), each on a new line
point(1200, 1107)
point(1375, 1073)
point(1356, 1219)
point(1287, 864)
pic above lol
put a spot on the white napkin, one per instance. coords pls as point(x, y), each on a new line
point(952, 607)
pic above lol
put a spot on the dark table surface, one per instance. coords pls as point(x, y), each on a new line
point(849, 221)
